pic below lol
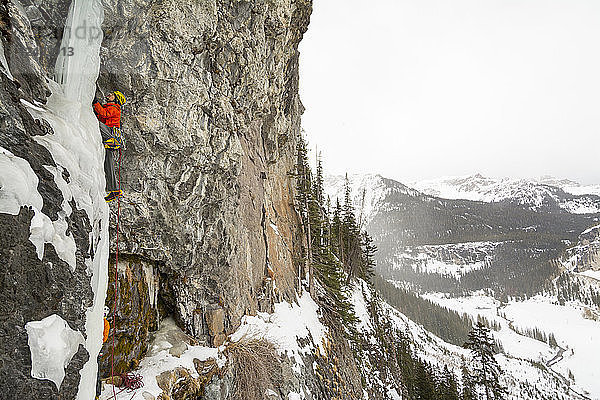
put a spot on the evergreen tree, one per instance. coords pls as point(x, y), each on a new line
point(425, 385)
point(303, 200)
point(447, 387)
point(468, 388)
point(369, 250)
point(486, 371)
point(322, 240)
point(352, 249)
point(336, 229)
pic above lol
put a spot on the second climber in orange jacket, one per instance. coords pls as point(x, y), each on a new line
point(105, 333)
point(109, 116)
point(106, 330)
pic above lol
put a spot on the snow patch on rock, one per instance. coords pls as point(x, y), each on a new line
point(285, 326)
point(53, 344)
point(4, 63)
point(18, 184)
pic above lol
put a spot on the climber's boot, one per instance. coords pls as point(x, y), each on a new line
point(112, 143)
point(113, 195)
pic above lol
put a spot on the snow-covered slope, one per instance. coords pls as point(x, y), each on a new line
point(577, 348)
point(535, 194)
point(454, 260)
point(374, 188)
point(570, 186)
point(525, 374)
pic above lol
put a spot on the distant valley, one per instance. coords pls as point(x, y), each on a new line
point(522, 254)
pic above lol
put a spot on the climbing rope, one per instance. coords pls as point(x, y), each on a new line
point(131, 381)
point(112, 356)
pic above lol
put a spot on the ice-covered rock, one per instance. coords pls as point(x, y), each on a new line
point(53, 344)
point(54, 241)
point(18, 184)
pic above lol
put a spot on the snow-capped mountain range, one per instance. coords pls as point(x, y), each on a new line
point(536, 194)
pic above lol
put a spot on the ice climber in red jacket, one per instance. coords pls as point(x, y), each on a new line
point(109, 116)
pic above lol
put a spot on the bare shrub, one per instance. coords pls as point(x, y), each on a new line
point(256, 365)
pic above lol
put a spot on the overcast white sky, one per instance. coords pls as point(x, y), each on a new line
point(416, 89)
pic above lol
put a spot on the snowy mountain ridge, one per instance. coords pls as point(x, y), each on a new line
point(537, 194)
point(545, 191)
point(374, 187)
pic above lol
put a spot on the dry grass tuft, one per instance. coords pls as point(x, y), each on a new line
point(256, 365)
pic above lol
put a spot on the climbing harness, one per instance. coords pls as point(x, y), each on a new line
point(115, 142)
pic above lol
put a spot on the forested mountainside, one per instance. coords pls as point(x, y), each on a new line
point(457, 245)
point(530, 274)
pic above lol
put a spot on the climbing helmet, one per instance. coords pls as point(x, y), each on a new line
point(120, 97)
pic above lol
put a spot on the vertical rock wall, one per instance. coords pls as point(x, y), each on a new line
point(211, 123)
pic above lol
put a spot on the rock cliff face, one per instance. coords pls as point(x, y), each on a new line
point(207, 219)
point(211, 123)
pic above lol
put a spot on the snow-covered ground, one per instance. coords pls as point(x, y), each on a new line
point(580, 337)
point(170, 349)
point(282, 328)
point(577, 189)
point(581, 206)
point(591, 274)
